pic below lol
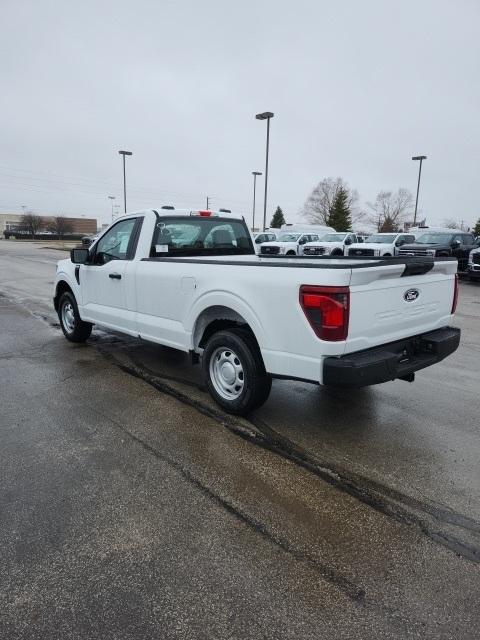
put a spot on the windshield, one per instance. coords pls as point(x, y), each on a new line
point(288, 237)
point(333, 237)
point(379, 239)
point(435, 238)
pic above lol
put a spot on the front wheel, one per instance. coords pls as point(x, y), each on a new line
point(234, 371)
point(73, 327)
point(290, 253)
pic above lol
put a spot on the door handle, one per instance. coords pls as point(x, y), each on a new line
point(115, 276)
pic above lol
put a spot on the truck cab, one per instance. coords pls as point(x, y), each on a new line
point(264, 236)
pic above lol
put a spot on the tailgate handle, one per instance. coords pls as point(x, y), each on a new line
point(115, 276)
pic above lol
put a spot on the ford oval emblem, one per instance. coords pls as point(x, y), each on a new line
point(411, 295)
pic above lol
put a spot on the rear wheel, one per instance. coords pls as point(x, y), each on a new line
point(387, 255)
point(73, 327)
point(234, 371)
point(290, 253)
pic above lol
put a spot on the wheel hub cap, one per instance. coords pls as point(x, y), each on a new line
point(68, 317)
point(226, 373)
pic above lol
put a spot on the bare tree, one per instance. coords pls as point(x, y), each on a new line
point(390, 210)
point(450, 223)
point(60, 226)
point(318, 206)
point(31, 223)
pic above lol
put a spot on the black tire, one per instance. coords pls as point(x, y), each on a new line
point(250, 386)
point(73, 327)
point(337, 252)
point(387, 255)
point(290, 253)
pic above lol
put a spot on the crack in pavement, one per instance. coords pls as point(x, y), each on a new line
point(380, 497)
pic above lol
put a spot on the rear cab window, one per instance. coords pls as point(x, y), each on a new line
point(200, 236)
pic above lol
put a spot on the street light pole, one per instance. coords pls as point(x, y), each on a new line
point(421, 158)
point(112, 198)
point(254, 174)
point(266, 115)
point(124, 153)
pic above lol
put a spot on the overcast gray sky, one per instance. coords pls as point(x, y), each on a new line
point(357, 88)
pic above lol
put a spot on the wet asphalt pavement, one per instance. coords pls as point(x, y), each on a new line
point(132, 507)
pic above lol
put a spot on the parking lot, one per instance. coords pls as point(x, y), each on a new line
point(132, 507)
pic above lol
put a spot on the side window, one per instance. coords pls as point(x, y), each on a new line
point(314, 238)
point(115, 243)
point(468, 239)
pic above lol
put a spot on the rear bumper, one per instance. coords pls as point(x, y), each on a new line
point(390, 361)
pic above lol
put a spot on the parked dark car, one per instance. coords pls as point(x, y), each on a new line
point(441, 243)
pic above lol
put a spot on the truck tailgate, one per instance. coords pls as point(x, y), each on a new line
point(386, 304)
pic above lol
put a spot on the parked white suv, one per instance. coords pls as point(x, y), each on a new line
point(288, 244)
point(332, 244)
point(381, 244)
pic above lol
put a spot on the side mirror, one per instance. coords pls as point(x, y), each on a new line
point(302, 241)
point(79, 255)
point(257, 240)
point(348, 241)
point(456, 244)
point(399, 243)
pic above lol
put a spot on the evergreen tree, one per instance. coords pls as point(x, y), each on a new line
point(476, 229)
point(277, 219)
point(340, 215)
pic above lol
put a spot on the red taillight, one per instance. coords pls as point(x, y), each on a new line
point(205, 214)
point(327, 310)
point(455, 294)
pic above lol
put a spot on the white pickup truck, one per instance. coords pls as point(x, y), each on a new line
point(331, 244)
point(380, 244)
point(191, 280)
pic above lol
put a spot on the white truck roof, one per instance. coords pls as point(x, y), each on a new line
point(172, 211)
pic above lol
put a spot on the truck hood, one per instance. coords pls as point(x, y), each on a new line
point(325, 245)
point(62, 265)
point(420, 247)
point(278, 244)
point(369, 245)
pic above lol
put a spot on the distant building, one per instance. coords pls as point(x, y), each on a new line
point(409, 224)
point(9, 221)
point(86, 226)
